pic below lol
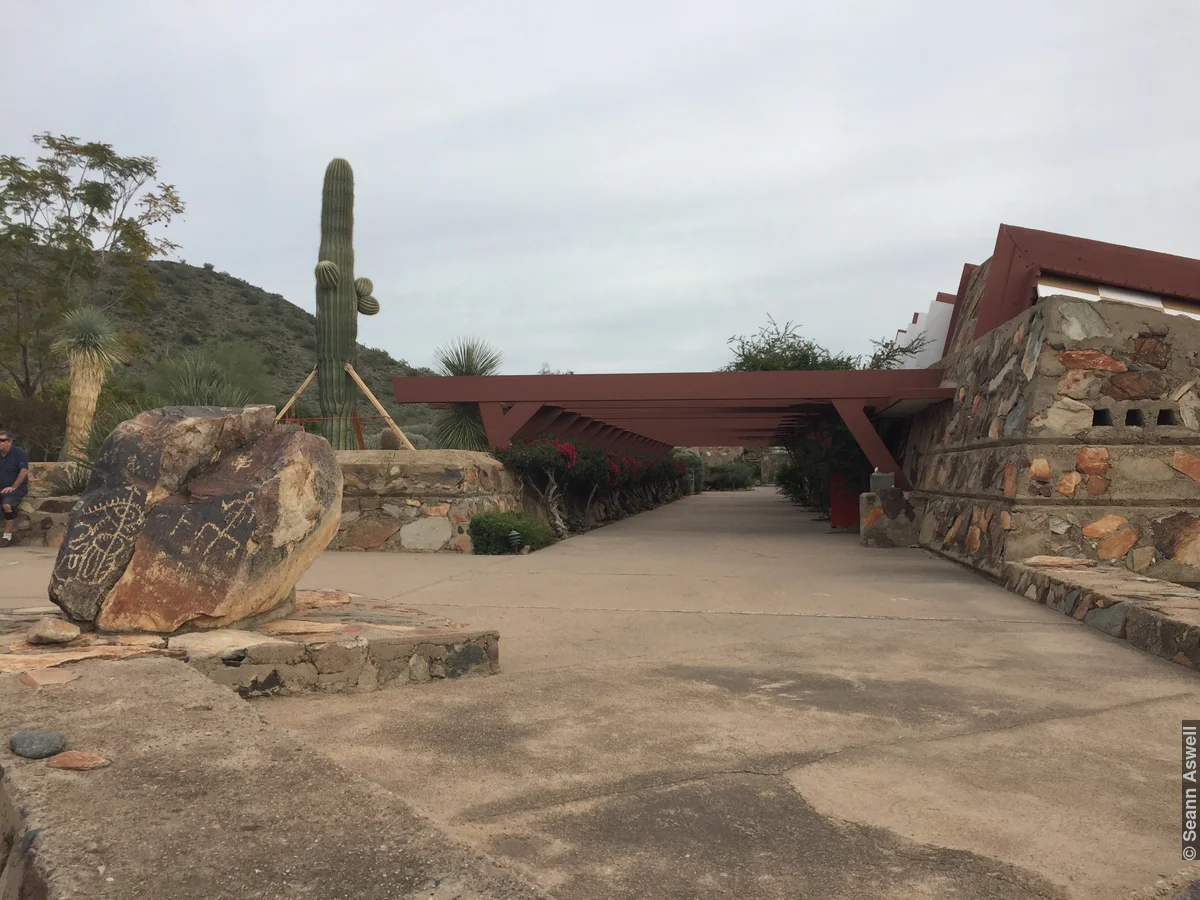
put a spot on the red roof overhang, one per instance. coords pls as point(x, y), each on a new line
point(654, 412)
point(1022, 255)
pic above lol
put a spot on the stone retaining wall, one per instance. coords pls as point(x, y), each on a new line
point(1075, 432)
point(393, 500)
point(418, 501)
point(353, 665)
point(890, 518)
point(1156, 616)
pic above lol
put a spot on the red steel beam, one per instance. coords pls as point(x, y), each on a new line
point(564, 390)
point(542, 421)
point(869, 441)
point(500, 425)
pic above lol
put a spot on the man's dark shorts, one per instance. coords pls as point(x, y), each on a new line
point(13, 500)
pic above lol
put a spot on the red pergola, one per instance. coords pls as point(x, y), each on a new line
point(651, 413)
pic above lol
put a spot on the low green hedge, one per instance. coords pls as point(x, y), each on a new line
point(489, 532)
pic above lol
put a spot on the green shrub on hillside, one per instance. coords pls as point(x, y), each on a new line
point(736, 475)
point(490, 532)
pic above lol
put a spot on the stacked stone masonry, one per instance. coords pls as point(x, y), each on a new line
point(1152, 615)
point(357, 664)
point(398, 501)
point(420, 501)
point(1075, 432)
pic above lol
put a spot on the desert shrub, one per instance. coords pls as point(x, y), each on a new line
point(425, 429)
point(695, 471)
point(70, 481)
point(490, 532)
point(735, 475)
point(37, 423)
point(569, 477)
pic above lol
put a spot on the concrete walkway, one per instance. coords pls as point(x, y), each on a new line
point(720, 698)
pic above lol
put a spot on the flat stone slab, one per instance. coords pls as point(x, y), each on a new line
point(200, 798)
point(335, 642)
point(1160, 617)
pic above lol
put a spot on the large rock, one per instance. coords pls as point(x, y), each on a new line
point(196, 517)
point(1064, 416)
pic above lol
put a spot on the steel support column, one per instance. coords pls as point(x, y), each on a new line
point(500, 426)
point(872, 445)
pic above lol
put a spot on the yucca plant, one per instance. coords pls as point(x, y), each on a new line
point(459, 427)
point(93, 345)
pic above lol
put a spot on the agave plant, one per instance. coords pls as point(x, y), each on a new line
point(198, 378)
point(220, 376)
point(92, 345)
point(459, 426)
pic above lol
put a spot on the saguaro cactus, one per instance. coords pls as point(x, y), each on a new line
point(340, 298)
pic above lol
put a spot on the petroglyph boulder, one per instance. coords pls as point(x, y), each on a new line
point(196, 517)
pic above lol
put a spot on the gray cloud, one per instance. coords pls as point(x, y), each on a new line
point(621, 186)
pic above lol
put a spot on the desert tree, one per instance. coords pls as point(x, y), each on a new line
point(77, 227)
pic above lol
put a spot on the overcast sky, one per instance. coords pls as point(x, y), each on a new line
point(622, 185)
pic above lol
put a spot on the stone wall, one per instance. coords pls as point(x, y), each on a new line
point(890, 518)
point(773, 460)
point(418, 501)
point(1074, 433)
point(715, 456)
point(393, 500)
point(42, 517)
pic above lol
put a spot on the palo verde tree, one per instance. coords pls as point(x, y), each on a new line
point(821, 445)
point(77, 226)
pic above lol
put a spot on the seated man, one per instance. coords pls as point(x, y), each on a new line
point(14, 482)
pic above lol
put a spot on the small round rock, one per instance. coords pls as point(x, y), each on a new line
point(37, 744)
point(52, 631)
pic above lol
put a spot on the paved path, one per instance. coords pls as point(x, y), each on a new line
point(721, 699)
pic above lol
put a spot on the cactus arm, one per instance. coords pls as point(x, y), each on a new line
point(328, 275)
point(367, 305)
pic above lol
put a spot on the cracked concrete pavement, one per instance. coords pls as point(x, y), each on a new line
point(721, 698)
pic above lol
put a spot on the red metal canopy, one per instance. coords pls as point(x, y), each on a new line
point(651, 413)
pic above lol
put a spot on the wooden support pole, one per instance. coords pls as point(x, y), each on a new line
point(378, 407)
point(296, 396)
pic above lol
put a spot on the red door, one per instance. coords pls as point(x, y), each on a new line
point(843, 503)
